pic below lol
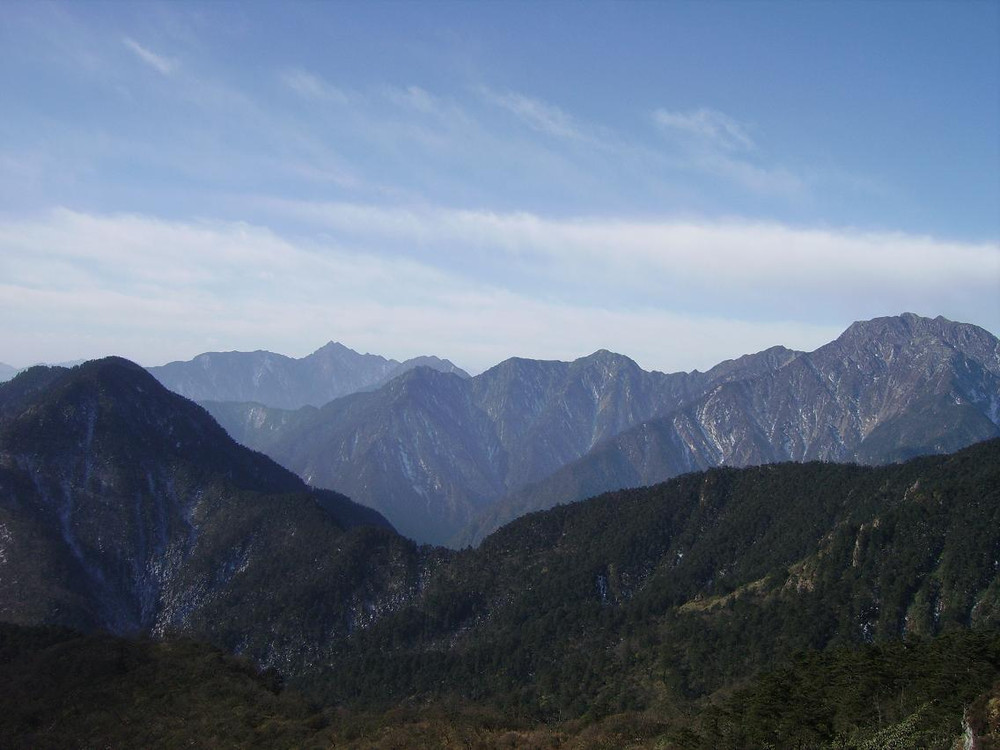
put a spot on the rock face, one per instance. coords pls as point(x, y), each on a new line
point(448, 460)
point(127, 508)
point(283, 382)
point(885, 390)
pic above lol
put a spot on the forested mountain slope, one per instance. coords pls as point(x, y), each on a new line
point(125, 507)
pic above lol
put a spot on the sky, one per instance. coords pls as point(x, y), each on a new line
point(679, 182)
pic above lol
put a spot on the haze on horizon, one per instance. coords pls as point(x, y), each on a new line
point(681, 183)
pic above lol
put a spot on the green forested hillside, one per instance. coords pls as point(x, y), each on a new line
point(62, 690)
point(644, 596)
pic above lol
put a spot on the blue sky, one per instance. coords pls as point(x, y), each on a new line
point(679, 182)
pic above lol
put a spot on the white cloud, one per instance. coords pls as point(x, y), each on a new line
point(730, 252)
point(163, 65)
point(708, 125)
point(671, 295)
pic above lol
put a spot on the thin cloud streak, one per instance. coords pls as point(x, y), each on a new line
point(161, 64)
point(539, 115)
point(708, 125)
point(311, 86)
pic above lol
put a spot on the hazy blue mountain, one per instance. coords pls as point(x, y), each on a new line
point(6, 372)
point(885, 390)
point(283, 382)
point(431, 449)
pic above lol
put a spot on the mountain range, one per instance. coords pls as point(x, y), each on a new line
point(6, 372)
point(126, 508)
point(283, 382)
point(448, 459)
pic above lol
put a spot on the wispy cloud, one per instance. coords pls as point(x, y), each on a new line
point(709, 126)
point(159, 63)
point(416, 98)
point(715, 143)
point(311, 86)
point(541, 116)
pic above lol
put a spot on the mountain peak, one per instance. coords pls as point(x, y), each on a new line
point(903, 325)
point(335, 347)
point(914, 332)
point(607, 358)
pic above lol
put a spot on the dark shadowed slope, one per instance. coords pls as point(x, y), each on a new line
point(124, 506)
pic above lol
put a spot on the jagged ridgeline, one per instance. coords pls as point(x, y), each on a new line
point(449, 460)
point(124, 507)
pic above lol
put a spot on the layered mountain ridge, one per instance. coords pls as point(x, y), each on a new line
point(448, 460)
point(125, 508)
point(431, 449)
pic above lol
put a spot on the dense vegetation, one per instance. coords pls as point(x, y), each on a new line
point(640, 598)
point(61, 689)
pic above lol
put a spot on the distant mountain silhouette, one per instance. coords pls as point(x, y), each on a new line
point(275, 380)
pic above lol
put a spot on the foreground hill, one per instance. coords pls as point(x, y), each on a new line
point(61, 690)
point(283, 382)
point(627, 599)
point(127, 508)
point(721, 609)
